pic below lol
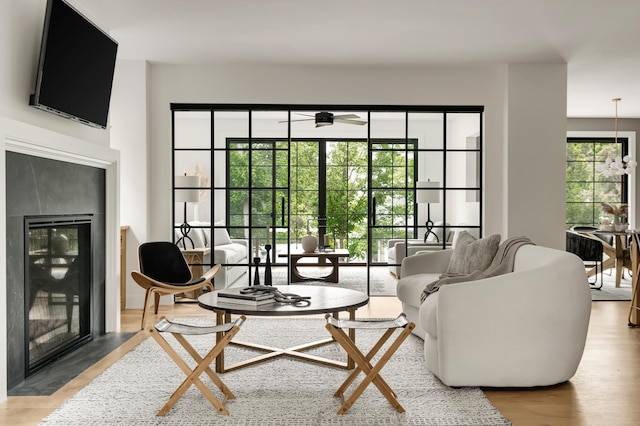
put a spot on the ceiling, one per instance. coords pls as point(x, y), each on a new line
point(599, 40)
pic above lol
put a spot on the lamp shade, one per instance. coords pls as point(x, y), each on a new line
point(424, 196)
point(187, 195)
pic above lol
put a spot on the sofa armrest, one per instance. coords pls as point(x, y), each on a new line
point(429, 247)
point(240, 241)
point(392, 242)
point(548, 304)
point(434, 262)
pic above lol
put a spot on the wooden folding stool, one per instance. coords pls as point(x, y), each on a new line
point(179, 331)
point(363, 362)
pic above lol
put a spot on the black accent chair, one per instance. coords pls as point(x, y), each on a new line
point(590, 250)
point(586, 228)
point(164, 271)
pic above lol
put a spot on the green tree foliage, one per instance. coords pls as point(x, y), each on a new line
point(274, 167)
point(585, 187)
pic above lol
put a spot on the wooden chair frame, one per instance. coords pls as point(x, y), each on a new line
point(178, 331)
point(634, 308)
point(158, 288)
point(363, 362)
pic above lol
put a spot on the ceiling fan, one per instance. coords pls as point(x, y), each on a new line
point(328, 118)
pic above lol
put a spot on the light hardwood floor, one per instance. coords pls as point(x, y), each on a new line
point(603, 392)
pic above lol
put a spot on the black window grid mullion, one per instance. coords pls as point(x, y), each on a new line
point(405, 149)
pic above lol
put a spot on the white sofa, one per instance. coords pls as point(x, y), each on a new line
point(400, 248)
point(520, 329)
point(230, 253)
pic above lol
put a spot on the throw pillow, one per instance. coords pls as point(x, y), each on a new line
point(220, 235)
point(471, 254)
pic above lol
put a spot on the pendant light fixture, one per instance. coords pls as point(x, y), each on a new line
point(618, 165)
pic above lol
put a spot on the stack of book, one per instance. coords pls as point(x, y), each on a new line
point(251, 299)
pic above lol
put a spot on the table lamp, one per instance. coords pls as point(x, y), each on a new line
point(428, 196)
point(187, 195)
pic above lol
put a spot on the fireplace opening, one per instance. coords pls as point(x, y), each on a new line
point(58, 287)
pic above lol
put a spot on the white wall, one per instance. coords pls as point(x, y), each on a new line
point(301, 85)
point(536, 153)
point(21, 24)
point(19, 51)
point(517, 98)
point(129, 135)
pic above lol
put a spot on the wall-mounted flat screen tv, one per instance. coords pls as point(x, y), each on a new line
point(75, 70)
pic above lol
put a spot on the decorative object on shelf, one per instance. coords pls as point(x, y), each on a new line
point(618, 165)
point(619, 215)
point(309, 243)
point(267, 266)
point(427, 197)
point(190, 194)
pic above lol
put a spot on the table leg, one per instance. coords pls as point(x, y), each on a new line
point(221, 318)
point(333, 276)
point(635, 281)
point(352, 335)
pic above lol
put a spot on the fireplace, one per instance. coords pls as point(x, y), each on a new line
point(56, 260)
point(57, 287)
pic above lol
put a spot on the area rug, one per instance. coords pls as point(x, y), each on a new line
point(281, 391)
point(381, 283)
point(609, 292)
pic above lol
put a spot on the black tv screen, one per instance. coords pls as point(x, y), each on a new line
point(75, 70)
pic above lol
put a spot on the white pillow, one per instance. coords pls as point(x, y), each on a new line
point(206, 231)
point(220, 235)
point(197, 236)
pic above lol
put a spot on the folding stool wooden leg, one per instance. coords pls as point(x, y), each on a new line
point(363, 362)
point(203, 363)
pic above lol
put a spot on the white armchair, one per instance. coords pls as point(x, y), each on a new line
point(521, 329)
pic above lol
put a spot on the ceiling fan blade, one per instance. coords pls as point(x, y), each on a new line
point(301, 119)
point(346, 116)
point(358, 122)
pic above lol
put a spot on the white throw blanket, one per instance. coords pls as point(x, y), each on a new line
point(502, 263)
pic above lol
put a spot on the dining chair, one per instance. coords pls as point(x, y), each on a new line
point(164, 271)
point(590, 250)
point(635, 280)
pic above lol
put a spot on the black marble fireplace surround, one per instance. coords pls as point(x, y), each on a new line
point(42, 187)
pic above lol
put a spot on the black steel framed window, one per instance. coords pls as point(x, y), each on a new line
point(404, 145)
point(586, 187)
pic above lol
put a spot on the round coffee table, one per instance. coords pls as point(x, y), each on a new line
point(324, 300)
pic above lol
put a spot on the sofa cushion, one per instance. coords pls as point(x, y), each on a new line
point(230, 253)
point(221, 237)
point(471, 254)
point(220, 234)
point(410, 288)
